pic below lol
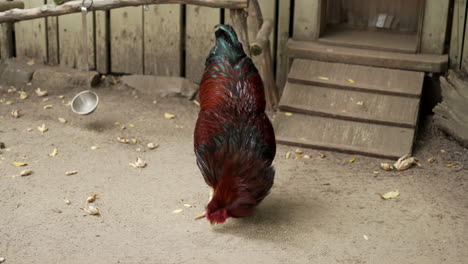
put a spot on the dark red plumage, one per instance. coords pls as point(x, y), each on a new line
point(234, 139)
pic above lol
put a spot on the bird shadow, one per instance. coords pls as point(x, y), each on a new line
point(277, 218)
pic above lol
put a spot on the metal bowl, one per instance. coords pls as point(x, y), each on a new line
point(85, 102)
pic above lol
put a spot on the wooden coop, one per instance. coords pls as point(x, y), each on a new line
point(356, 74)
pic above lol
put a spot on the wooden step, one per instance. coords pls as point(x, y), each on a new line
point(322, 52)
point(344, 136)
point(357, 77)
point(344, 104)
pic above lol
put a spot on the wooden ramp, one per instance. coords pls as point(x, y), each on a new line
point(349, 108)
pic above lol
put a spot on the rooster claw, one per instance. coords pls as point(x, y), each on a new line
point(200, 217)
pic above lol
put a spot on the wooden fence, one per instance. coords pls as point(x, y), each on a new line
point(165, 40)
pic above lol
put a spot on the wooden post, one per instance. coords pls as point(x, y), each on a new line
point(6, 30)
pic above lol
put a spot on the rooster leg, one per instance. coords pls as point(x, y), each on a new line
point(203, 215)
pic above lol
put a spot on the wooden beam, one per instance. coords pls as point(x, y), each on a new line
point(4, 6)
point(262, 37)
point(239, 22)
point(15, 15)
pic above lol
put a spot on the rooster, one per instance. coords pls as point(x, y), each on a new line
point(234, 140)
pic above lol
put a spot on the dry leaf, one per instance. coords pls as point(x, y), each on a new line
point(30, 62)
point(131, 125)
point(323, 78)
point(9, 102)
point(91, 210)
point(322, 155)
point(188, 205)
point(53, 153)
point(134, 141)
point(361, 103)
point(298, 151)
point(450, 165)
point(405, 162)
point(365, 237)
point(288, 154)
point(350, 80)
point(15, 113)
point(138, 149)
point(123, 140)
point(431, 160)
point(117, 123)
point(151, 145)
point(29, 129)
point(69, 173)
point(23, 95)
point(376, 172)
point(94, 147)
point(47, 106)
point(2, 260)
point(196, 102)
point(307, 157)
point(18, 164)
point(386, 166)
point(177, 211)
point(298, 157)
point(62, 120)
point(139, 163)
point(41, 93)
point(42, 128)
point(169, 116)
point(92, 198)
point(12, 89)
point(351, 160)
point(45, 99)
point(390, 195)
point(26, 172)
point(67, 201)
point(288, 114)
point(61, 96)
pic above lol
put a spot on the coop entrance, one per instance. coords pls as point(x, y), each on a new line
point(390, 25)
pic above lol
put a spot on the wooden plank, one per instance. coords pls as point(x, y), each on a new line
point(268, 8)
point(6, 41)
point(346, 105)
point(458, 29)
point(357, 77)
point(344, 136)
point(199, 39)
point(162, 41)
point(71, 49)
point(306, 19)
point(434, 26)
point(367, 39)
point(52, 38)
point(464, 57)
point(284, 7)
point(126, 34)
point(102, 41)
point(30, 36)
point(414, 62)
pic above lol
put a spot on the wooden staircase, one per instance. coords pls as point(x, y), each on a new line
point(349, 108)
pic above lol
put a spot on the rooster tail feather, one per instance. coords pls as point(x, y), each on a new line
point(227, 46)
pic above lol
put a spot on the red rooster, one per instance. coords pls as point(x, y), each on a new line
point(234, 139)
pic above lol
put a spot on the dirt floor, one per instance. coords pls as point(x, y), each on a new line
point(320, 210)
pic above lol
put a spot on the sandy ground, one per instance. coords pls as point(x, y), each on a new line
point(319, 210)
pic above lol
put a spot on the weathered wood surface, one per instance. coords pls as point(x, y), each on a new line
point(6, 41)
point(4, 5)
point(307, 19)
point(435, 26)
point(199, 39)
point(102, 41)
point(239, 23)
point(415, 62)
point(451, 115)
point(71, 51)
point(30, 36)
point(343, 136)
point(260, 41)
point(15, 15)
point(162, 40)
point(367, 39)
point(357, 77)
point(458, 29)
point(282, 38)
point(346, 105)
point(126, 36)
point(52, 39)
